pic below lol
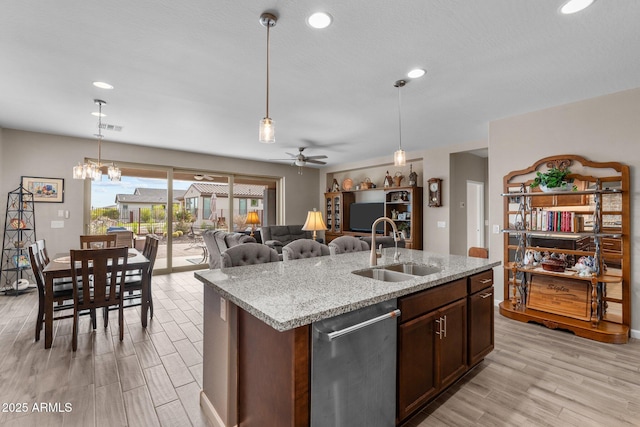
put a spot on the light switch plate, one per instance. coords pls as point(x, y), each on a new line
point(57, 224)
point(442, 224)
point(496, 229)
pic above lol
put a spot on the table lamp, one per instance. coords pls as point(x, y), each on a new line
point(314, 222)
point(253, 219)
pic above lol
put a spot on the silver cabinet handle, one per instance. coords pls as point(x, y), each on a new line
point(483, 281)
point(336, 334)
point(442, 327)
point(445, 325)
point(487, 295)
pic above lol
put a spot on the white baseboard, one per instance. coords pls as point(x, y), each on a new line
point(210, 412)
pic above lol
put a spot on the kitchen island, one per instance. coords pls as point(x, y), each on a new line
point(257, 321)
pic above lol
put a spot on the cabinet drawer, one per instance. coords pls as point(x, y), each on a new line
point(480, 281)
point(425, 301)
point(611, 245)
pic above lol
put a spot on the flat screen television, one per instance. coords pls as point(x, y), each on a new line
point(362, 216)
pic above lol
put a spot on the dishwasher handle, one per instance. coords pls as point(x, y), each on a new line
point(330, 336)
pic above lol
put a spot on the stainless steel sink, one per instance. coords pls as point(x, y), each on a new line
point(413, 268)
point(383, 275)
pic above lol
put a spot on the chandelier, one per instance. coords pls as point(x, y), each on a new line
point(93, 170)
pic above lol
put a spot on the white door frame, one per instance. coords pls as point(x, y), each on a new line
point(475, 214)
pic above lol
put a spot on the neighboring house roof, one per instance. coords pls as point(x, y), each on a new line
point(222, 190)
point(149, 196)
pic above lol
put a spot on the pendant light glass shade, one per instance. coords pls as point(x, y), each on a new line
point(399, 157)
point(92, 170)
point(266, 131)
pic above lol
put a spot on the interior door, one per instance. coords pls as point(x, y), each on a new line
point(475, 214)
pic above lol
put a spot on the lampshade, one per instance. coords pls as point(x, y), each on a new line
point(253, 218)
point(314, 222)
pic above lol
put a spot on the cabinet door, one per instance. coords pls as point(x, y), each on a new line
point(452, 343)
point(480, 327)
point(416, 363)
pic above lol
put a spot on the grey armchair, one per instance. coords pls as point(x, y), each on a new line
point(248, 254)
point(304, 248)
point(218, 241)
point(345, 244)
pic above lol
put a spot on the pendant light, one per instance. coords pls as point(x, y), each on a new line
point(399, 157)
point(93, 170)
point(267, 126)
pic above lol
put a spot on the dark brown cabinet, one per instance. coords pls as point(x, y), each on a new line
point(432, 344)
point(481, 317)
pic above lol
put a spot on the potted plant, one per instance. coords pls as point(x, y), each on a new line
point(553, 180)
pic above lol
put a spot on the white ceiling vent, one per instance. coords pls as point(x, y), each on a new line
point(107, 126)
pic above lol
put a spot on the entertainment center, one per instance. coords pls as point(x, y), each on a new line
point(351, 213)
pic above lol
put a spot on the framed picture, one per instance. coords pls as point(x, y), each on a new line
point(402, 216)
point(21, 261)
point(48, 190)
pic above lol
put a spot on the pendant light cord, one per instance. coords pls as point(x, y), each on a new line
point(99, 133)
point(399, 117)
point(268, 35)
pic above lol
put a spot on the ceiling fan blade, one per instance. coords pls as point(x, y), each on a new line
point(292, 155)
point(322, 156)
point(317, 162)
point(281, 159)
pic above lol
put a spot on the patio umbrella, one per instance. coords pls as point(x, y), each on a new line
point(213, 216)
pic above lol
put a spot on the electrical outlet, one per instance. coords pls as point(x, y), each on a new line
point(223, 309)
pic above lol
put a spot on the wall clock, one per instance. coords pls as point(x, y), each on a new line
point(435, 192)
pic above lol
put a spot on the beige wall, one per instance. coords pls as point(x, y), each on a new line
point(36, 154)
point(601, 129)
point(435, 164)
point(464, 167)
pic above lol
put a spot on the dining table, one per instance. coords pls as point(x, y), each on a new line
point(60, 267)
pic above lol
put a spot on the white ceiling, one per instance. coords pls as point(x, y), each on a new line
point(190, 75)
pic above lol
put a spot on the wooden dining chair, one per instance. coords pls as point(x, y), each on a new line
point(105, 268)
point(478, 252)
point(98, 241)
point(133, 282)
point(62, 291)
point(123, 237)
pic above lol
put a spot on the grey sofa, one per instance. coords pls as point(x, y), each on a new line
point(277, 236)
point(218, 241)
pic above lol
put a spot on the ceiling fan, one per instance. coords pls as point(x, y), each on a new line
point(200, 177)
point(301, 160)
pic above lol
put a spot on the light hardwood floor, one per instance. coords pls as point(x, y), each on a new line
point(534, 377)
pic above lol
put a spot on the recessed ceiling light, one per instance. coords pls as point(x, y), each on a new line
point(573, 6)
point(98, 114)
point(319, 20)
point(102, 85)
point(416, 73)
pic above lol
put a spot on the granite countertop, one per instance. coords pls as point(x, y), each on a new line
point(294, 293)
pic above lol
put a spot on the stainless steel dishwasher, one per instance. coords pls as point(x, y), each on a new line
point(353, 368)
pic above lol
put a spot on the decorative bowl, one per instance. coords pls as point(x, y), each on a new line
point(18, 244)
point(553, 265)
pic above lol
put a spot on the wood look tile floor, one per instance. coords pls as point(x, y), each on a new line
point(534, 377)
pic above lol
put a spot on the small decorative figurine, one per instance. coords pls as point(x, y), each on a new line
point(388, 181)
point(398, 179)
point(413, 177)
